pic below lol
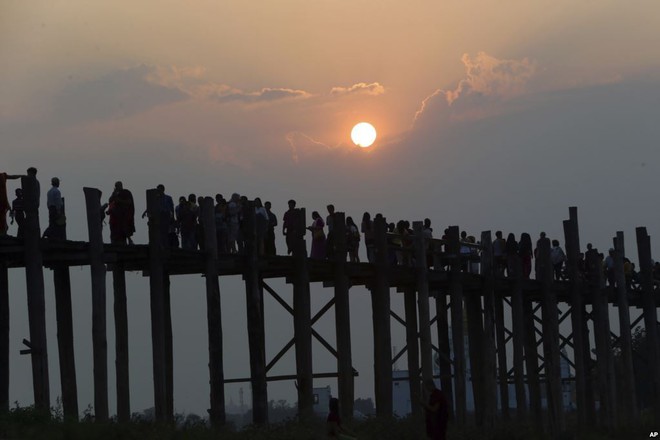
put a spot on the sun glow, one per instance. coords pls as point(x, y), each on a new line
point(363, 134)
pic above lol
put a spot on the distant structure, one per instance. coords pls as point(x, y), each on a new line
point(471, 305)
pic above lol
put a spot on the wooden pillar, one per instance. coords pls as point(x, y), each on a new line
point(380, 305)
point(532, 363)
point(518, 328)
point(64, 314)
point(605, 364)
point(572, 240)
point(475, 350)
point(35, 294)
point(157, 296)
point(650, 314)
point(489, 369)
point(421, 270)
point(627, 393)
point(302, 322)
point(169, 352)
point(99, 341)
point(213, 314)
point(412, 342)
point(550, 338)
point(458, 340)
point(255, 321)
point(502, 368)
point(444, 356)
point(345, 379)
point(121, 345)
point(4, 338)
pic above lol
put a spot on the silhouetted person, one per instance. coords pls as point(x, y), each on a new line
point(288, 226)
point(499, 253)
point(318, 237)
point(333, 422)
point(511, 252)
point(56, 218)
point(17, 212)
point(261, 226)
point(352, 240)
point(557, 258)
point(367, 228)
point(269, 242)
point(330, 240)
point(121, 210)
point(436, 408)
point(525, 252)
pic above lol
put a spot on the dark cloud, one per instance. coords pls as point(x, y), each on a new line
point(118, 94)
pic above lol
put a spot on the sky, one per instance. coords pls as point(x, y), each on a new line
point(490, 115)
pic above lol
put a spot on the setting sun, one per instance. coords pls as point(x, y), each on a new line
point(363, 134)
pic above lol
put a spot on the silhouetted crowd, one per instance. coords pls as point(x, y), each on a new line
point(181, 226)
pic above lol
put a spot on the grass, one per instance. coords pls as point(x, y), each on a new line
point(25, 423)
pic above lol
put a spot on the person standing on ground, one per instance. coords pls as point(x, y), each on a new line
point(436, 409)
point(333, 422)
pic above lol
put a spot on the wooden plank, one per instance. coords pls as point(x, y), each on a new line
point(157, 295)
point(64, 314)
point(97, 268)
point(4, 338)
point(650, 313)
point(412, 344)
point(213, 314)
point(572, 253)
point(345, 378)
point(380, 308)
point(255, 321)
point(605, 364)
point(518, 327)
point(458, 340)
point(489, 368)
point(35, 293)
point(421, 271)
point(302, 321)
point(550, 337)
point(169, 352)
point(121, 345)
point(627, 394)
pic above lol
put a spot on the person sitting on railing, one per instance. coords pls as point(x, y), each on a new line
point(525, 252)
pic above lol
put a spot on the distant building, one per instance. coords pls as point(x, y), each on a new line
point(322, 400)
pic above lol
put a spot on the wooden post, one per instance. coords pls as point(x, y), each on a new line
point(475, 350)
point(571, 237)
point(444, 356)
point(628, 396)
point(121, 345)
point(650, 313)
point(489, 369)
point(302, 322)
point(456, 289)
point(518, 327)
point(169, 353)
point(213, 313)
point(64, 314)
point(409, 297)
point(380, 305)
point(605, 365)
point(502, 368)
point(4, 338)
point(345, 379)
point(255, 321)
point(99, 341)
point(35, 294)
point(157, 295)
point(532, 363)
point(421, 270)
point(550, 338)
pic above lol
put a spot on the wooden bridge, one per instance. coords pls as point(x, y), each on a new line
point(463, 301)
